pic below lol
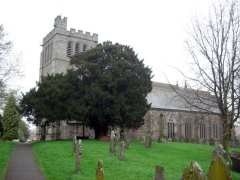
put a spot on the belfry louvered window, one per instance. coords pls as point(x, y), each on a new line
point(77, 48)
point(69, 48)
point(84, 47)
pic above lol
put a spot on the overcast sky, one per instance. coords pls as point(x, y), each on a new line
point(156, 29)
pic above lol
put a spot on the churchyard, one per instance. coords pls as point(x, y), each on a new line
point(57, 160)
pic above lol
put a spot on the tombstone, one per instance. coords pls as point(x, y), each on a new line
point(74, 144)
point(121, 151)
point(219, 150)
point(159, 173)
point(112, 147)
point(100, 171)
point(193, 172)
point(78, 155)
point(218, 169)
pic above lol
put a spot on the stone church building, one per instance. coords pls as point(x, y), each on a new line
point(170, 115)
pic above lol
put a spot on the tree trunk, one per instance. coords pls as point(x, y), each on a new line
point(100, 131)
point(226, 133)
point(43, 132)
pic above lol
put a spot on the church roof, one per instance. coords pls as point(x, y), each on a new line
point(171, 97)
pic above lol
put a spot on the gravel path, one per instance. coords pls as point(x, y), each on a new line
point(22, 165)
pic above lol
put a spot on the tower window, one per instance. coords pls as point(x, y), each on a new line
point(69, 48)
point(77, 48)
point(84, 47)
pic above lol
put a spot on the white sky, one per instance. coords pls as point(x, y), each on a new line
point(156, 29)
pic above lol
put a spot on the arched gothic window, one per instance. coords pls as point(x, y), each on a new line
point(171, 130)
point(188, 130)
point(215, 130)
point(202, 130)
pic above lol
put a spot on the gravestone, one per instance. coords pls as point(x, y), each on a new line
point(218, 169)
point(78, 154)
point(112, 142)
point(219, 150)
point(159, 173)
point(100, 171)
point(193, 172)
point(74, 144)
point(121, 151)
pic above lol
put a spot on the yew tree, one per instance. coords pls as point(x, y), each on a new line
point(116, 83)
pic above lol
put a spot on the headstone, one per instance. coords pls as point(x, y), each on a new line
point(121, 151)
point(219, 150)
point(78, 154)
point(74, 144)
point(100, 171)
point(112, 142)
point(218, 169)
point(159, 173)
point(193, 172)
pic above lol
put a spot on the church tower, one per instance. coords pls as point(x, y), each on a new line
point(60, 44)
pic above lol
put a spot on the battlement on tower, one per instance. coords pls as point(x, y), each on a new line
point(60, 27)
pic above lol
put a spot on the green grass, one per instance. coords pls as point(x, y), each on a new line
point(57, 161)
point(5, 152)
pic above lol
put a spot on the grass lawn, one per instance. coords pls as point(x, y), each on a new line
point(5, 152)
point(57, 161)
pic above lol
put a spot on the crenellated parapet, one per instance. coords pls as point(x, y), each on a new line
point(60, 27)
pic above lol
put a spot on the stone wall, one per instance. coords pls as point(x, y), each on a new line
point(174, 125)
point(188, 126)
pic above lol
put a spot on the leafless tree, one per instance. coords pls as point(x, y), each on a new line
point(214, 45)
point(7, 68)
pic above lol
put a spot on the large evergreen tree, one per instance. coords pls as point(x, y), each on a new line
point(116, 84)
point(11, 119)
point(52, 101)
